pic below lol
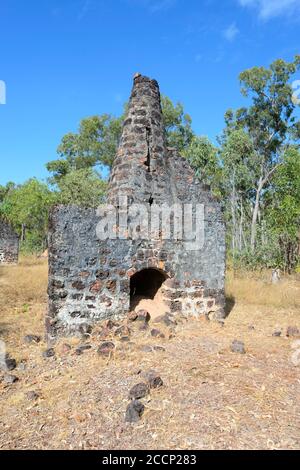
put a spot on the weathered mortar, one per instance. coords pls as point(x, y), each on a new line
point(9, 244)
point(89, 279)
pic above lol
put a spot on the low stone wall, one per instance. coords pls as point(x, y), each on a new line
point(9, 244)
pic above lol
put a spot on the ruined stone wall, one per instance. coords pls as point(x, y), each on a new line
point(89, 279)
point(9, 244)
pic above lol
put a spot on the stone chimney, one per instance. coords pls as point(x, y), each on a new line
point(142, 151)
point(92, 278)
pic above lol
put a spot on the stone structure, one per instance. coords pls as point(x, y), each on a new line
point(91, 279)
point(9, 244)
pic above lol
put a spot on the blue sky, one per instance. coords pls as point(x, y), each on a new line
point(65, 60)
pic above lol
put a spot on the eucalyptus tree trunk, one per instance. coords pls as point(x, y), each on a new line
point(255, 214)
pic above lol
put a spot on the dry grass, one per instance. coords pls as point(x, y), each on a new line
point(23, 297)
point(211, 399)
point(256, 289)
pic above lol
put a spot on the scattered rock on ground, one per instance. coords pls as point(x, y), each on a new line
point(159, 348)
point(49, 353)
point(167, 319)
point(10, 379)
point(32, 395)
point(140, 390)
point(132, 316)
point(293, 331)
point(134, 411)
point(8, 363)
point(29, 339)
point(143, 315)
point(238, 347)
point(277, 333)
point(122, 331)
point(157, 333)
point(84, 347)
point(144, 326)
point(153, 378)
point(106, 348)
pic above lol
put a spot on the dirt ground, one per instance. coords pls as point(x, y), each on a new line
point(212, 398)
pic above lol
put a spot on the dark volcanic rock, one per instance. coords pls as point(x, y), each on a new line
point(9, 363)
point(134, 411)
point(238, 347)
point(140, 390)
point(277, 333)
point(106, 348)
point(32, 395)
point(153, 378)
point(293, 331)
point(144, 316)
point(9, 379)
point(157, 333)
point(49, 353)
point(143, 326)
point(29, 339)
point(84, 347)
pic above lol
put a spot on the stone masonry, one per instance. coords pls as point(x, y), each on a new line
point(9, 244)
point(92, 279)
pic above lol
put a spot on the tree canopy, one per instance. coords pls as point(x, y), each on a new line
point(253, 167)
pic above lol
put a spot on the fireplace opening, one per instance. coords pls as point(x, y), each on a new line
point(145, 284)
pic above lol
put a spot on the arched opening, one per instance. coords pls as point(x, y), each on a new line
point(145, 284)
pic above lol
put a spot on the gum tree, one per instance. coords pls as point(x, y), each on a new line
point(269, 121)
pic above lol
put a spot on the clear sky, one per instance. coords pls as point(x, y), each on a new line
point(62, 60)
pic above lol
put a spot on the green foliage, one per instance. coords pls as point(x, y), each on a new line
point(95, 144)
point(253, 148)
point(26, 208)
point(178, 125)
point(83, 187)
point(255, 169)
point(203, 156)
point(283, 214)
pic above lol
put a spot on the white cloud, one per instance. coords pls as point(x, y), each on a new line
point(271, 8)
point(231, 32)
